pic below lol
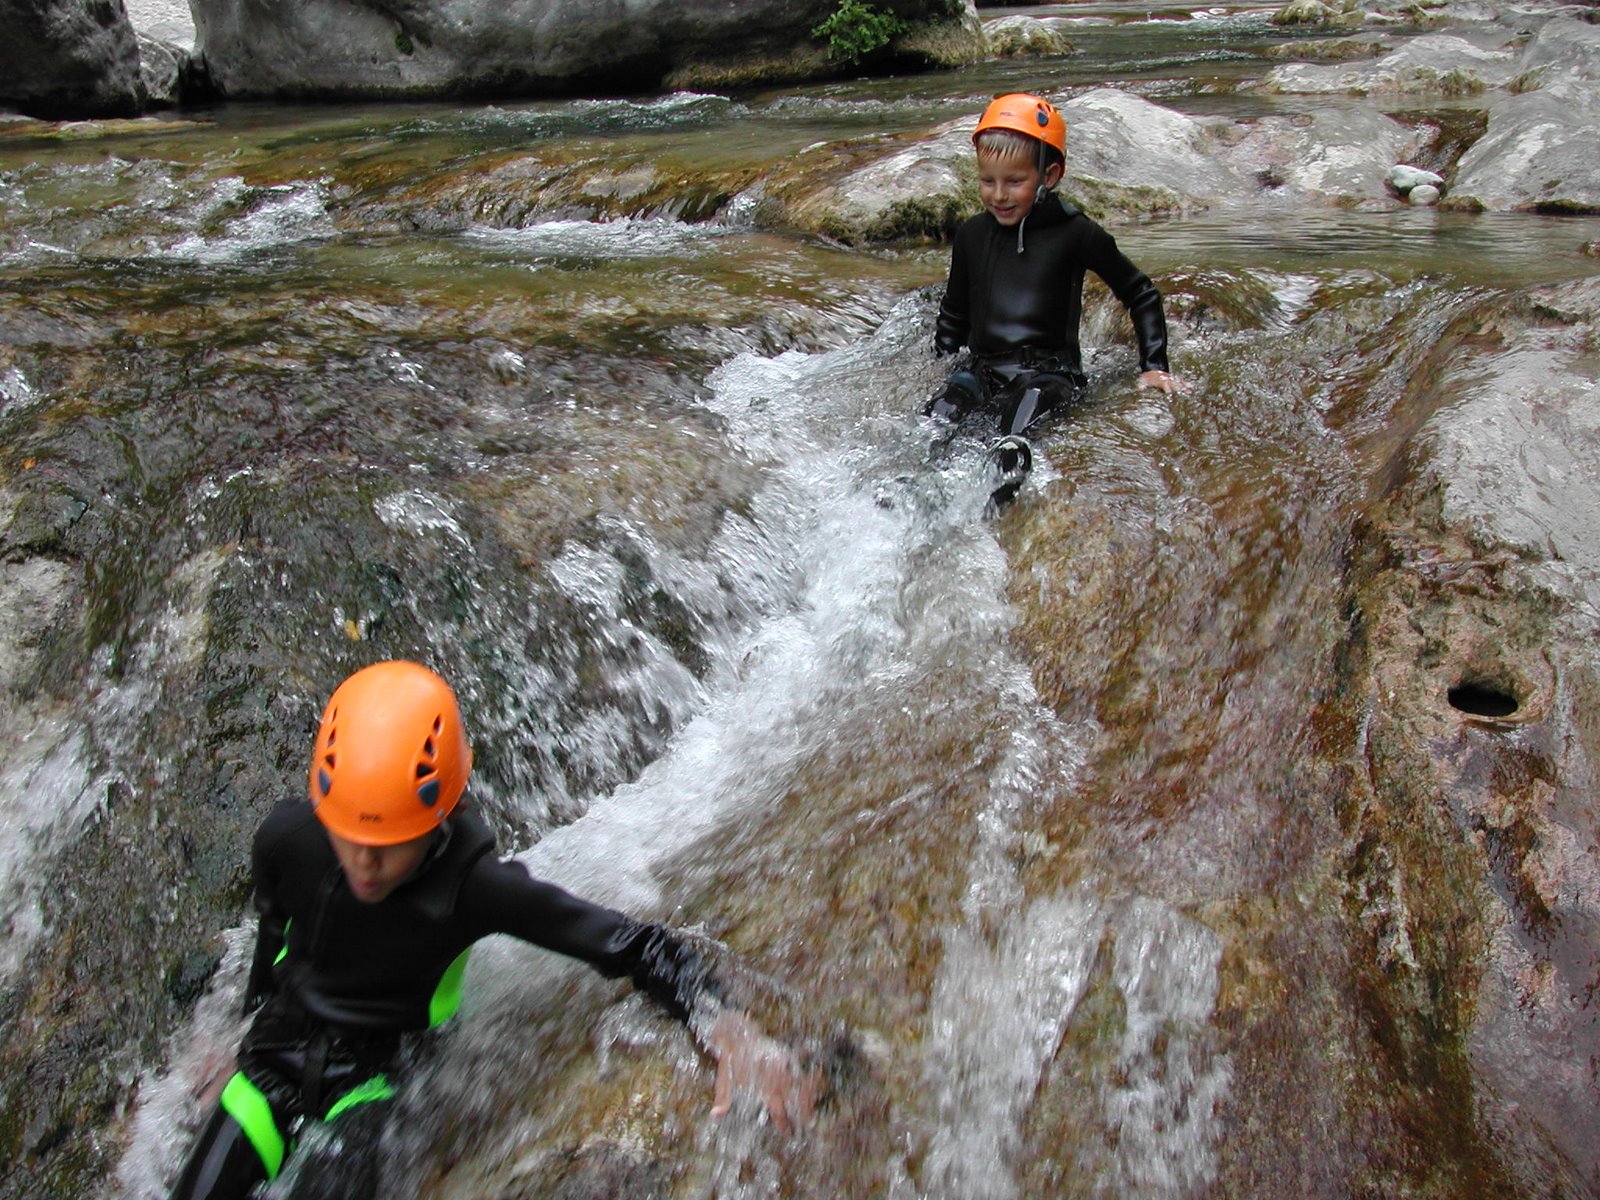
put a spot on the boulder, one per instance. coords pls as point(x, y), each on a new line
point(1127, 158)
point(161, 71)
point(1130, 156)
point(924, 188)
point(1433, 63)
point(431, 48)
point(1541, 150)
point(1337, 154)
point(1565, 54)
point(1541, 153)
point(1340, 49)
point(69, 59)
point(1315, 13)
point(1018, 37)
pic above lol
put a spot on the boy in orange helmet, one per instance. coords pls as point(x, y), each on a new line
point(1015, 292)
point(370, 898)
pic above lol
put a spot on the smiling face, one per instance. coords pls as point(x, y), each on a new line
point(373, 872)
point(1009, 184)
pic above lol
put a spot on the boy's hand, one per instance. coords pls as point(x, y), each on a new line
point(750, 1061)
point(1161, 381)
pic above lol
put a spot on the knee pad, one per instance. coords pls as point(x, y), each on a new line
point(1033, 396)
point(963, 391)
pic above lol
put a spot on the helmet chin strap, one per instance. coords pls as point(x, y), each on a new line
point(1040, 194)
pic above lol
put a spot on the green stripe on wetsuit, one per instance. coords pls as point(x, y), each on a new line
point(245, 1103)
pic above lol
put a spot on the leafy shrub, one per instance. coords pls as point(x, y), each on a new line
point(856, 29)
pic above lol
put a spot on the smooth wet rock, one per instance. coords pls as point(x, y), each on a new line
point(923, 189)
point(1489, 590)
point(1345, 49)
point(1423, 195)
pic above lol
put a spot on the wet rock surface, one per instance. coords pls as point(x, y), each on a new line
point(1442, 802)
point(1477, 682)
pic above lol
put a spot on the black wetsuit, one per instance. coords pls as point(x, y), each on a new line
point(1014, 299)
point(341, 983)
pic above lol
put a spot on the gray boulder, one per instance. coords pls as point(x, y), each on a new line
point(1541, 153)
point(69, 59)
point(1315, 13)
point(924, 189)
point(161, 70)
point(1564, 56)
point(1432, 63)
point(417, 48)
point(1334, 154)
point(1541, 150)
point(1128, 155)
point(1127, 158)
point(1018, 37)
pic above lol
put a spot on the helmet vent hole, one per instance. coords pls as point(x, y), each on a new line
point(428, 793)
point(324, 782)
point(429, 749)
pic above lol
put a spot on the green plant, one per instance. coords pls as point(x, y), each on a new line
point(855, 30)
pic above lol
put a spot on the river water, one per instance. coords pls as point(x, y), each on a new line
point(973, 806)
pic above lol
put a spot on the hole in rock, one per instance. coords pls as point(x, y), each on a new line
point(1482, 700)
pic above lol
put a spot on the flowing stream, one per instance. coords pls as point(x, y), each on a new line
point(737, 643)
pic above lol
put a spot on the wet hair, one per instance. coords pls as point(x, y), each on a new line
point(1008, 145)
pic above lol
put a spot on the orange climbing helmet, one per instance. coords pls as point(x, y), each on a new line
point(391, 758)
point(1027, 115)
